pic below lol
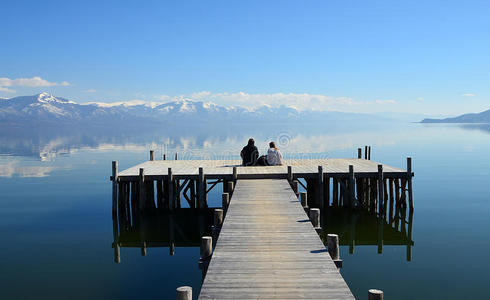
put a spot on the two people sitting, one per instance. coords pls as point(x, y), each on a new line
point(250, 155)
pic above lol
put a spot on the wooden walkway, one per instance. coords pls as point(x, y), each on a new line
point(268, 249)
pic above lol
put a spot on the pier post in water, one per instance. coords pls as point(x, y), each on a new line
point(374, 294)
point(319, 190)
point(304, 201)
point(170, 179)
point(409, 173)
point(334, 249)
point(184, 293)
point(142, 194)
point(201, 188)
point(229, 187)
point(380, 189)
point(206, 247)
point(218, 217)
point(151, 155)
point(352, 184)
point(315, 219)
point(225, 201)
point(114, 188)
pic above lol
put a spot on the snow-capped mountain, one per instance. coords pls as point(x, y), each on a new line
point(46, 108)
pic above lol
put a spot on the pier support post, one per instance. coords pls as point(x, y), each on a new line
point(151, 155)
point(290, 174)
point(409, 173)
point(359, 153)
point(352, 186)
point(374, 294)
point(334, 249)
point(365, 152)
point(319, 190)
point(218, 217)
point(142, 190)
point(184, 293)
point(381, 198)
point(295, 187)
point(201, 188)
point(225, 201)
point(235, 175)
point(114, 188)
point(206, 247)
point(176, 156)
point(369, 152)
point(170, 187)
point(230, 186)
point(315, 219)
point(304, 201)
point(164, 157)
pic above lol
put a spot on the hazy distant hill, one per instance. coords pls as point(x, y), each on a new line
point(483, 117)
point(44, 108)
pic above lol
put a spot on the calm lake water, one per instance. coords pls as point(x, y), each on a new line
point(57, 230)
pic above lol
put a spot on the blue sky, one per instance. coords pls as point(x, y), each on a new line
point(401, 56)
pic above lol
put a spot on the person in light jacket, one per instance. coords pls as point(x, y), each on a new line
point(274, 156)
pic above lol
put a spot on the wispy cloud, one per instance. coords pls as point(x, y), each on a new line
point(388, 101)
point(468, 95)
point(6, 90)
point(35, 81)
point(90, 91)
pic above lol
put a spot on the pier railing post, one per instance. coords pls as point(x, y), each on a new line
point(235, 176)
point(295, 187)
point(225, 201)
point(359, 153)
point(171, 197)
point(114, 188)
point(369, 152)
point(315, 219)
point(230, 186)
point(374, 294)
point(409, 173)
point(176, 156)
point(218, 217)
point(202, 188)
point(151, 155)
point(290, 174)
point(334, 249)
point(184, 293)
point(365, 152)
point(142, 190)
point(304, 200)
point(206, 247)
point(352, 184)
point(164, 157)
point(380, 189)
point(319, 190)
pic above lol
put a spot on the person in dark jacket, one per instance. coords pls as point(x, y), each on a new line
point(249, 153)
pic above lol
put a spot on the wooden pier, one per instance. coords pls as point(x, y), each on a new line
point(267, 248)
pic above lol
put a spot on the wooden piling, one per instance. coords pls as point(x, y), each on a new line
point(290, 174)
point(315, 218)
point(184, 293)
point(303, 197)
point(365, 152)
point(176, 156)
point(351, 185)
point(369, 153)
point(409, 178)
point(235, 175)
point(164, 157)
point(218, 217)
point(225, 201)
point(326, 191)
point(230, 186)
point(334, 249)
point(201, 188)
point(374, 294)
point(141, 188)
point(295, 187)
point(335, 192)
point(170, 188)
point(381, 197)
point(206, 247)
point(114, 188)
point(359, 153)
point(151, 155)
point(319, 190)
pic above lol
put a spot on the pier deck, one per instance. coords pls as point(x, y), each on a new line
point(223, 169)
point(267, 248)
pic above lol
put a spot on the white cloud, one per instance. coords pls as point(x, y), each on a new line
point(35, 81)
point(90, 91)
point(6, 90)
point(389, 101)
point(299, 101)
point(468, 95)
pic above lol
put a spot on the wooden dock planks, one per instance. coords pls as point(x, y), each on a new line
point(268, 249)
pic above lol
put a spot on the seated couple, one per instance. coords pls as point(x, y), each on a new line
point(250, 155)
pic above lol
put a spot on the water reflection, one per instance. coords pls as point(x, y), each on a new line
point(365, 228)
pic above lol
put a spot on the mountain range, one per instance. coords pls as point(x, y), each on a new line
point(483, 117)
point(45, 108)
